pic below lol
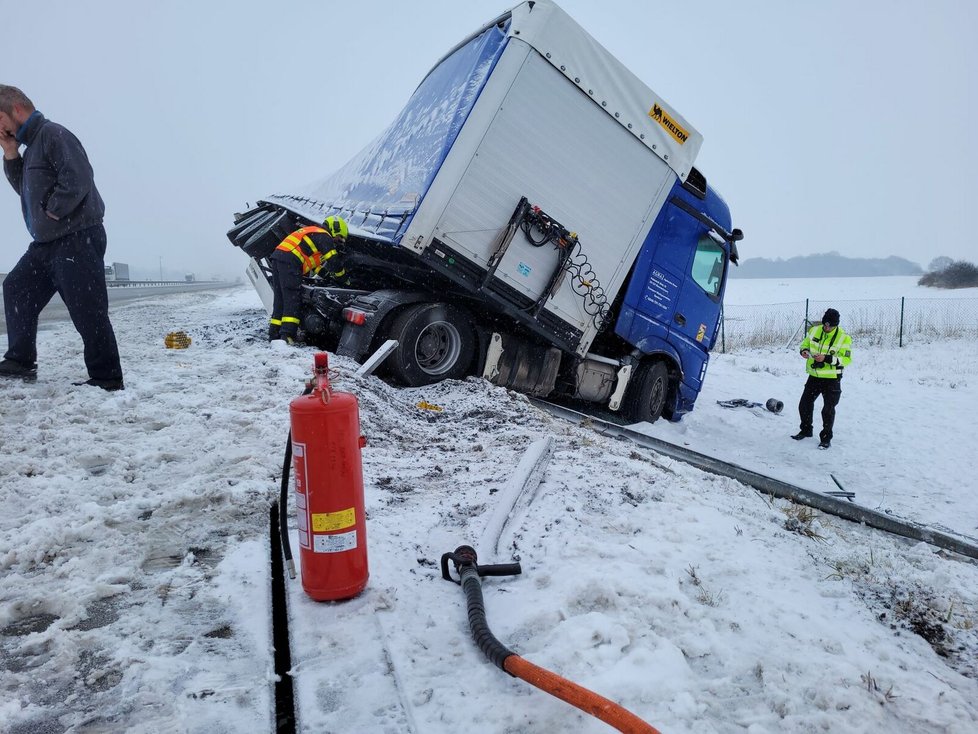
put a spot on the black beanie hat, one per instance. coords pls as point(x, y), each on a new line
point(831, 317)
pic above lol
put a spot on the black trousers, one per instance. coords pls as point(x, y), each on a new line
point(72, 267)
point(287, 284)
point(831, 391)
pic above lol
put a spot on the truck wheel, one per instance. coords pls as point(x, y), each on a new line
point(646, 397)
point(435, 342)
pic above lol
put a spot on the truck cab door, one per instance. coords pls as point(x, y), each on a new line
point(697, 315)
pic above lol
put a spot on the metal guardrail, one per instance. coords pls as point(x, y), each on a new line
point(161, 283)
point(769, 485)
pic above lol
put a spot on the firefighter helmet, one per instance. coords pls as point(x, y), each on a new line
point(337, 227)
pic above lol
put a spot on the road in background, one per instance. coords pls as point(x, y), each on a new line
point(57, 311)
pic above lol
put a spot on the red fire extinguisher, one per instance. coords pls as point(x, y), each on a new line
point(326, 444)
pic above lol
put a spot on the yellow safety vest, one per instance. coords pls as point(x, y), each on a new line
point(836, 346)
point(300, 245)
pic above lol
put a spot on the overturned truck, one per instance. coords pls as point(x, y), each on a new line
point(532, 216)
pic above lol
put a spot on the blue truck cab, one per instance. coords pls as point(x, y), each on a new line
point(532, 216)
point(672, 306)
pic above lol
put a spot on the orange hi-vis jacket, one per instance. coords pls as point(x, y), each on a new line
point(300, 244)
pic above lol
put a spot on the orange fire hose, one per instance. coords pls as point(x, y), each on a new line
point(588, 701)
point(469, 572)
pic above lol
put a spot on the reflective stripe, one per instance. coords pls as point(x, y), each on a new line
point(293, 243)
point(275, 322)
point(837, 346)
point(290, 320)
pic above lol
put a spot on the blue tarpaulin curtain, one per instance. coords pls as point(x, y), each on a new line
point(380, 188)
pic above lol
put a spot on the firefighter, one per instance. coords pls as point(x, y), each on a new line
point(827, 350)
point(307, 251)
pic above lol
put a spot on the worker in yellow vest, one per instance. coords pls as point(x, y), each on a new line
point(827, 350)
point(307, 251)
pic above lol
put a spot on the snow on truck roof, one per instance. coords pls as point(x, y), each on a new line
point(570, 49)
point(379, 190)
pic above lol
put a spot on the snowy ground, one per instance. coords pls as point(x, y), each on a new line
point(134, 550)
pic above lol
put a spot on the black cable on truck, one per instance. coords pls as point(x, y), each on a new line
point(571, 259)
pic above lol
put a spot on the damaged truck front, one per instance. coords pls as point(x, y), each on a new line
point(532, 216)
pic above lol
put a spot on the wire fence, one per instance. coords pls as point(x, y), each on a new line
point(896, 321)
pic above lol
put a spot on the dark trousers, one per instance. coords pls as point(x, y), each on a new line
point(287, 284)
point(831, 392)
point(72, 267)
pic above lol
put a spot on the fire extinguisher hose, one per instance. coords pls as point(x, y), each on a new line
point(586, 700)
point(283, 515)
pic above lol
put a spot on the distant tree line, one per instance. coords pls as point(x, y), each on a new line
point(825, 265)
point(947, 273)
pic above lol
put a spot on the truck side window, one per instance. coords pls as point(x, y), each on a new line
point(708, 264)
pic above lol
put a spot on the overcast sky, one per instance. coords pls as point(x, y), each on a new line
point(831, 125)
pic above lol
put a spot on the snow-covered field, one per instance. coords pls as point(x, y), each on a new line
point(754, 291)
point(134, 592)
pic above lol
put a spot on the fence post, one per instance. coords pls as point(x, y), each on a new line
point(723, 331)
point(804, 327)
point(902, 299)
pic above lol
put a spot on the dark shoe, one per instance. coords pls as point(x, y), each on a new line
point(802, 434)
point(18, 370)
point(109, 385)
point(825, 443)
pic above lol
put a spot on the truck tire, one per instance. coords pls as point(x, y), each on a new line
point(435, 342)
point(646, 396)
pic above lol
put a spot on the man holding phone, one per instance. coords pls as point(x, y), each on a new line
point(63, 212)
point(827, 350)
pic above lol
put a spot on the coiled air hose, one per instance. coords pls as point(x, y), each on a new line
point(470, 572)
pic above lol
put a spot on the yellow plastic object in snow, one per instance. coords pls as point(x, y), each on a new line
point(425, 405)
point(177, 340)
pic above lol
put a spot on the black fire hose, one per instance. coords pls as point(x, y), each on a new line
point(283, 515)
point(469, 572)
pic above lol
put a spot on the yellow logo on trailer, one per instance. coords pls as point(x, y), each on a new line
point(678, 132)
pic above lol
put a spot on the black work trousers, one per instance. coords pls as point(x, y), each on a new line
point(831, 391)
point(287, 284)
point(72, 267)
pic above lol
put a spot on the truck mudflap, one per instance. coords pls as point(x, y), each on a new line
point(681, 402)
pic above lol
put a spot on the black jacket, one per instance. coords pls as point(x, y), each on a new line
point(53, 175)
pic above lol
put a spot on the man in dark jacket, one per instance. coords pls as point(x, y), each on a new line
point(63, 212)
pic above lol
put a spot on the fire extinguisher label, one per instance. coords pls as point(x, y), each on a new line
point(324, 522)
point(302, 506)
point(334, 543)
